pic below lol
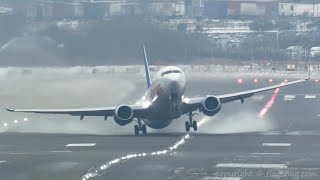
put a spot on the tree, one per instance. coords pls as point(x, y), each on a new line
point(314, 25)
point(283, 25)
point(261, 25)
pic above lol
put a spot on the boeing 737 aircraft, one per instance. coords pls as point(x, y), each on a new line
point(164, 102)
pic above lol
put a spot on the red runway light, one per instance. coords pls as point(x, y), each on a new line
point(286, 80)
point(317, 80)
point(240, 81)
point(255, 80)
point(270, 80)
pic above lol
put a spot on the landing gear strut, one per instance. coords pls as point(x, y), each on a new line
point(191, 123)
point(140, 127)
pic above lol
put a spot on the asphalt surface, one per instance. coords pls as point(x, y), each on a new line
point(235, 144)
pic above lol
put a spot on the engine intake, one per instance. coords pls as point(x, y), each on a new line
point(210, 106)
point(123, 115)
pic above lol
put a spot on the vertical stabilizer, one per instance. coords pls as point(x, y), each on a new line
point(146, 66)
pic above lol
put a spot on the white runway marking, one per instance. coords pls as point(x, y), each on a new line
point(255, 156)
point(3, 161)
point(258, 98)
point(266, 153)
point(81, 145)
point(60, 151)
point(100, 170)
point(277, 144)
point(308, 96)
point(289, 97)
point(243, 165)
point(271, 133)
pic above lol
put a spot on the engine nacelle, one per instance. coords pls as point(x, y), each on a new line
point(123, 115)
point(210, 106)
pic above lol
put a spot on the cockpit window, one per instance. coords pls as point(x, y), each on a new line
point(169, 72)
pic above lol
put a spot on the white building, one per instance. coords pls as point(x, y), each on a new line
point(315, 51)
point(167, 9)
point(299, 9)
point(6, 10)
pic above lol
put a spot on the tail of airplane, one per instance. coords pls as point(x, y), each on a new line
point(146, 66)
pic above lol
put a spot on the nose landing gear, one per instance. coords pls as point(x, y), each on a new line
point(191, 123)
point(140, 127)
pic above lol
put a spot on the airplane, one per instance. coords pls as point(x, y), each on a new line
point(163, 103)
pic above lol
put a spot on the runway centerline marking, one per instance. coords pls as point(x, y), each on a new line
point(266, 153)
point(309, 96)
point(289, 96)
point(81, 145)
point(3, 161)
point(276, 144)
point(100, 170)
point(60, 151)
point(243, 165)
point(288, 99)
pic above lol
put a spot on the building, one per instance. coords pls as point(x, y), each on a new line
point(167, 9)
point(194, 8)
point(6, 11)
point(223, 8)
point(315, 52)
point(95, 10)
point(215, 9)
point(250, 7)
point(54, 10)
point(125, 9)
point(299, 9)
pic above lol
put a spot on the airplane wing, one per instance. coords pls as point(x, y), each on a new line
point(194, 103)
point(139, 111)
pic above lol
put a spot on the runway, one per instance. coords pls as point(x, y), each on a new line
point(235, 144)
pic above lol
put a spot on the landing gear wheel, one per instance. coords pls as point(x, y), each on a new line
point(195, 125)
point(187, 124)
point(144, 129)
point(136, 130)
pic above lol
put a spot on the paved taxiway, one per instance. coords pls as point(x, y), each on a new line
point(226, 146)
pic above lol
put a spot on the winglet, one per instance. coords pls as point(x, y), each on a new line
point(146, 66)
point(8, 109)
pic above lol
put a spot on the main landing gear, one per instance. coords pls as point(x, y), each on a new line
point(140, 127)
point(191, 123)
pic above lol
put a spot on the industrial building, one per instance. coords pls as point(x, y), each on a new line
point(222, 8)
point(299, 9)
point(54, 10)
point(100, 9)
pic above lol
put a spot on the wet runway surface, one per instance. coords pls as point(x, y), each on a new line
point(235, 144)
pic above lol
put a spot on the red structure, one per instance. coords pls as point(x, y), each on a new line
point(250, 7)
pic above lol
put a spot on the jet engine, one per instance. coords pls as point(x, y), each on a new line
point(123, 115)
point(210, 105)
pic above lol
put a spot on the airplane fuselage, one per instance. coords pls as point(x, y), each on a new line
point(166, 94)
